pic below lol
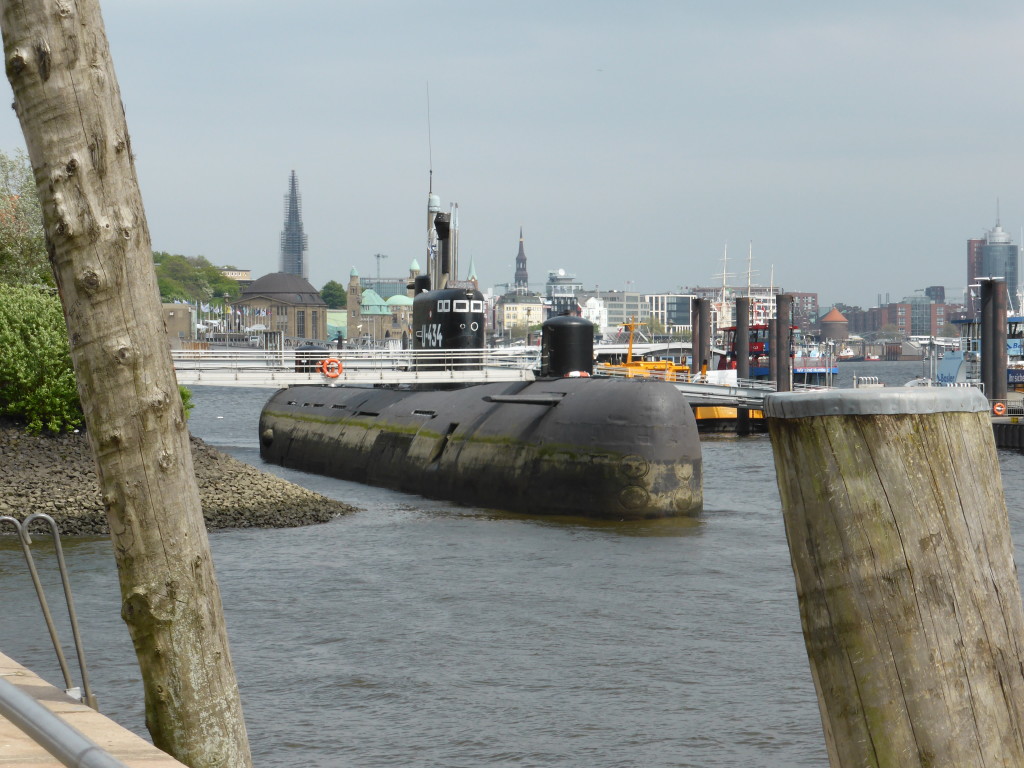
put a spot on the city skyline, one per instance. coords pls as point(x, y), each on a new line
point(856, 149)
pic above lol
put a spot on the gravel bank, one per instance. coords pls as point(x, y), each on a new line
point(56, 475)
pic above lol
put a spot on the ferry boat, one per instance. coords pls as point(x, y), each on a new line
point(812, 363)
point(963, 365)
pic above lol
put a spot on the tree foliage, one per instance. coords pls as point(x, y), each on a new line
point(191, 278)
point(37, 379)
point(334, 294)
point(37, 382)
point(23, 259)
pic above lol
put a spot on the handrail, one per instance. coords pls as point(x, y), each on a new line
point(85, 694)
point(488, 356)
point(54, 735)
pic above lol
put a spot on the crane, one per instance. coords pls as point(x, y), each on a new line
point(378, 257)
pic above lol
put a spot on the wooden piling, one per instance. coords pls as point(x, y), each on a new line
point(742, 357)
point(783, 348)
point(901, 551)
point(705, 334)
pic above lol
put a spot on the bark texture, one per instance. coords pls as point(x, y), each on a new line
point(67, 98)
point(908, 593)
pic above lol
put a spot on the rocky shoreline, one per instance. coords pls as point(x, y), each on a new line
point(57, 476)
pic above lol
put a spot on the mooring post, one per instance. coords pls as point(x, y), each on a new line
point(900, 545)
point(705, 335)
point(742, 348)
point(999, 333)
point(987, 334)
point(783, 361)
point(695, 341)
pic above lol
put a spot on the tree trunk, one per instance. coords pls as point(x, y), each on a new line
point(69, 104)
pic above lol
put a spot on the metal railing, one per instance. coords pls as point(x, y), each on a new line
point(83, 693)
point(50, 732)
point(366, 367)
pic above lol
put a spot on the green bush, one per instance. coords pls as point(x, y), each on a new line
point(37, 382)
point(186, 400)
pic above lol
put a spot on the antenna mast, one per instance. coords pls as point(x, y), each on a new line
point(430, 145)
point(750, 261)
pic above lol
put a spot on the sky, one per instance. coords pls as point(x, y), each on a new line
point(848, 149)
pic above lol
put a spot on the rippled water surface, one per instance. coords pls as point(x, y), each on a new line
point(414, 633)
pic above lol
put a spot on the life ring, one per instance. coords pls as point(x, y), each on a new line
point(331, 367)
point(999, 409)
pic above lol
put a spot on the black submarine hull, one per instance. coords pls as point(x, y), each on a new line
point(602, 448)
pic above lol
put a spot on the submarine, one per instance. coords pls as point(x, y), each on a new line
point(567, 443)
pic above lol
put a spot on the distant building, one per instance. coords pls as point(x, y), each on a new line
point(995, 256)
point(179, 320)
point(282, 302)
point(521, 311)
point(595, 311)
point(241, 275)
point(834, 326)
point(860, 321)
point(561, 291)
point(371, 318)
point(915, 316)
point(805, 309)
point(293, 238)
point(936, 293)
point(672, 310)
point(621, 306)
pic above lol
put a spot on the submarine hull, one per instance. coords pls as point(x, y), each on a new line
point(603, 448)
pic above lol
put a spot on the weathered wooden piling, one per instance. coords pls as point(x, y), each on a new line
point(909, 600)
point(696, 342)
point(742, 357)
point(704, 309)
point(993, 338)
point(783, 348)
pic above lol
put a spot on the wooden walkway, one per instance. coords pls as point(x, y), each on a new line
point(18, 749)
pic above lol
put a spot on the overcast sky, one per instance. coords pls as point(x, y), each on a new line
point(855, 147)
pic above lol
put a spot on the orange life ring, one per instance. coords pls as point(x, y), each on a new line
point(331, 367)
point(999, 409)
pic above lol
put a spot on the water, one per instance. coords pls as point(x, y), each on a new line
point(414, 633)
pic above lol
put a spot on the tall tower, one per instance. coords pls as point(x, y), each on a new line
point(522, 278)
point(293, 239)
point(999, 258)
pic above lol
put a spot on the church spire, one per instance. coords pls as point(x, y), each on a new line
point(522, 279)
point(293, 239)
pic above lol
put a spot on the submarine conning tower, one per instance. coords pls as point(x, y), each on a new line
point(448, 320)
point(567, 347)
